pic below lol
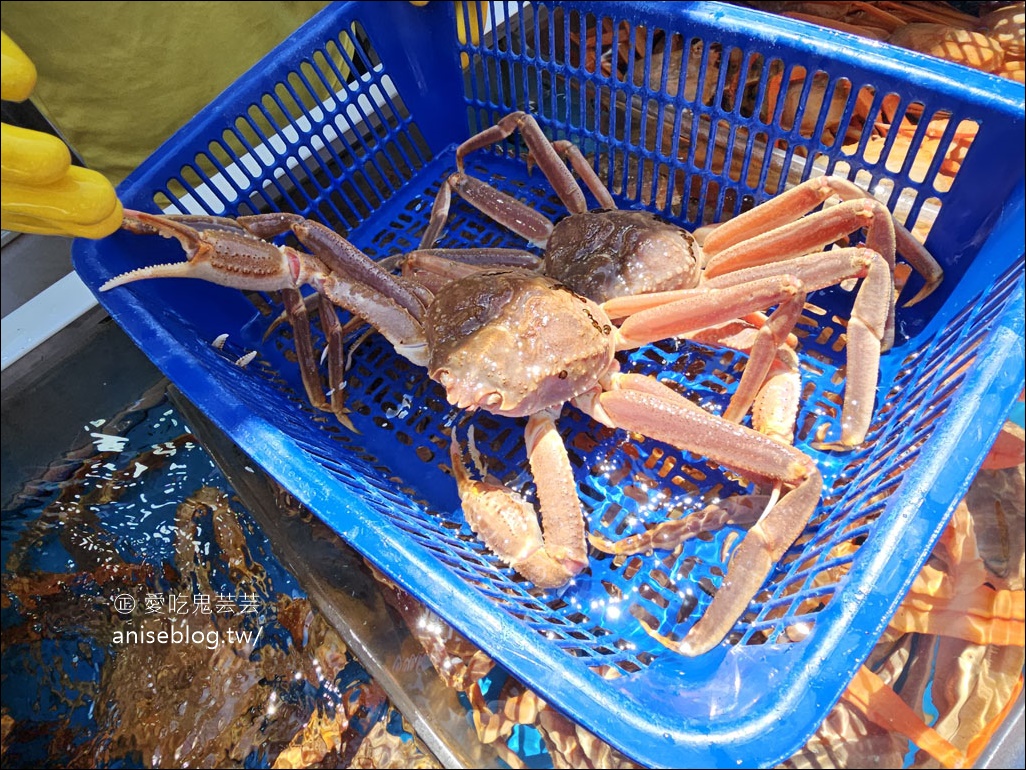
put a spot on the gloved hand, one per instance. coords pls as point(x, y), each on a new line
point(41, 191)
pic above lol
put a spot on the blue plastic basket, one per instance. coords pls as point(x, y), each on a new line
point(353, 121)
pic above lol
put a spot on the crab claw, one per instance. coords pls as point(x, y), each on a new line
point(217, 252)
point(508, 524)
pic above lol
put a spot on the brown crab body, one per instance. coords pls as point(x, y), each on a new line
point(606, 254)
point(516, 343)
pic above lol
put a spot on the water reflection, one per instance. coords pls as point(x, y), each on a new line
point(146, 622)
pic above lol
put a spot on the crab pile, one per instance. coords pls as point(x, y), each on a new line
point(509, 333)
point(949, 668)
point(291, 697)
point(993, 42)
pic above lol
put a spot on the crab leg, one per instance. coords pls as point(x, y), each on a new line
point(333, 336)
point(297, 313)
point(504, 209)
point(765, 351)
point(217, 252)
point(542, 154)
point(680, 313)
point(550, 554)
point(356, 283)
point(776, 402)
point(229, 255)
point(338, 255)
point(867, 326)
point(201, 235)
point(644, 405)
point(435, 267)
point(223, 252)
point(787, 207)
point(661, 315)
point(778, 230)
point(435, 272)
point(479, 257)
point(299, 318)
point(667, 535)
point(551, 157)
point(187, 229)
point(572, 154)
point(812, 234)
point(953, 595)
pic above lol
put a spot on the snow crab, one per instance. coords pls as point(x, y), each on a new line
point(633, 262)
point(520, 344)
point(515, 336)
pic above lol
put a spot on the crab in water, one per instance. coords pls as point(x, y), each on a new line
point(516, 340)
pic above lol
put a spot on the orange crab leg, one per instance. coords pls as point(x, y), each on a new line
point(870, 695)
point(644, 405)
point(766, 225)
point(955, 600)
point(681, 313)
point(778, 230)
point(776, 402)
point(686, 311)
point(981, 616)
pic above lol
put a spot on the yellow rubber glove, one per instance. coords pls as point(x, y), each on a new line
point(41, 191)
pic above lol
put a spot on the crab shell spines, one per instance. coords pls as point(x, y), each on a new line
point(515, 343)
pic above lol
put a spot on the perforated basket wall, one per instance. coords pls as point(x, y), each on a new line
point(696, 111)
